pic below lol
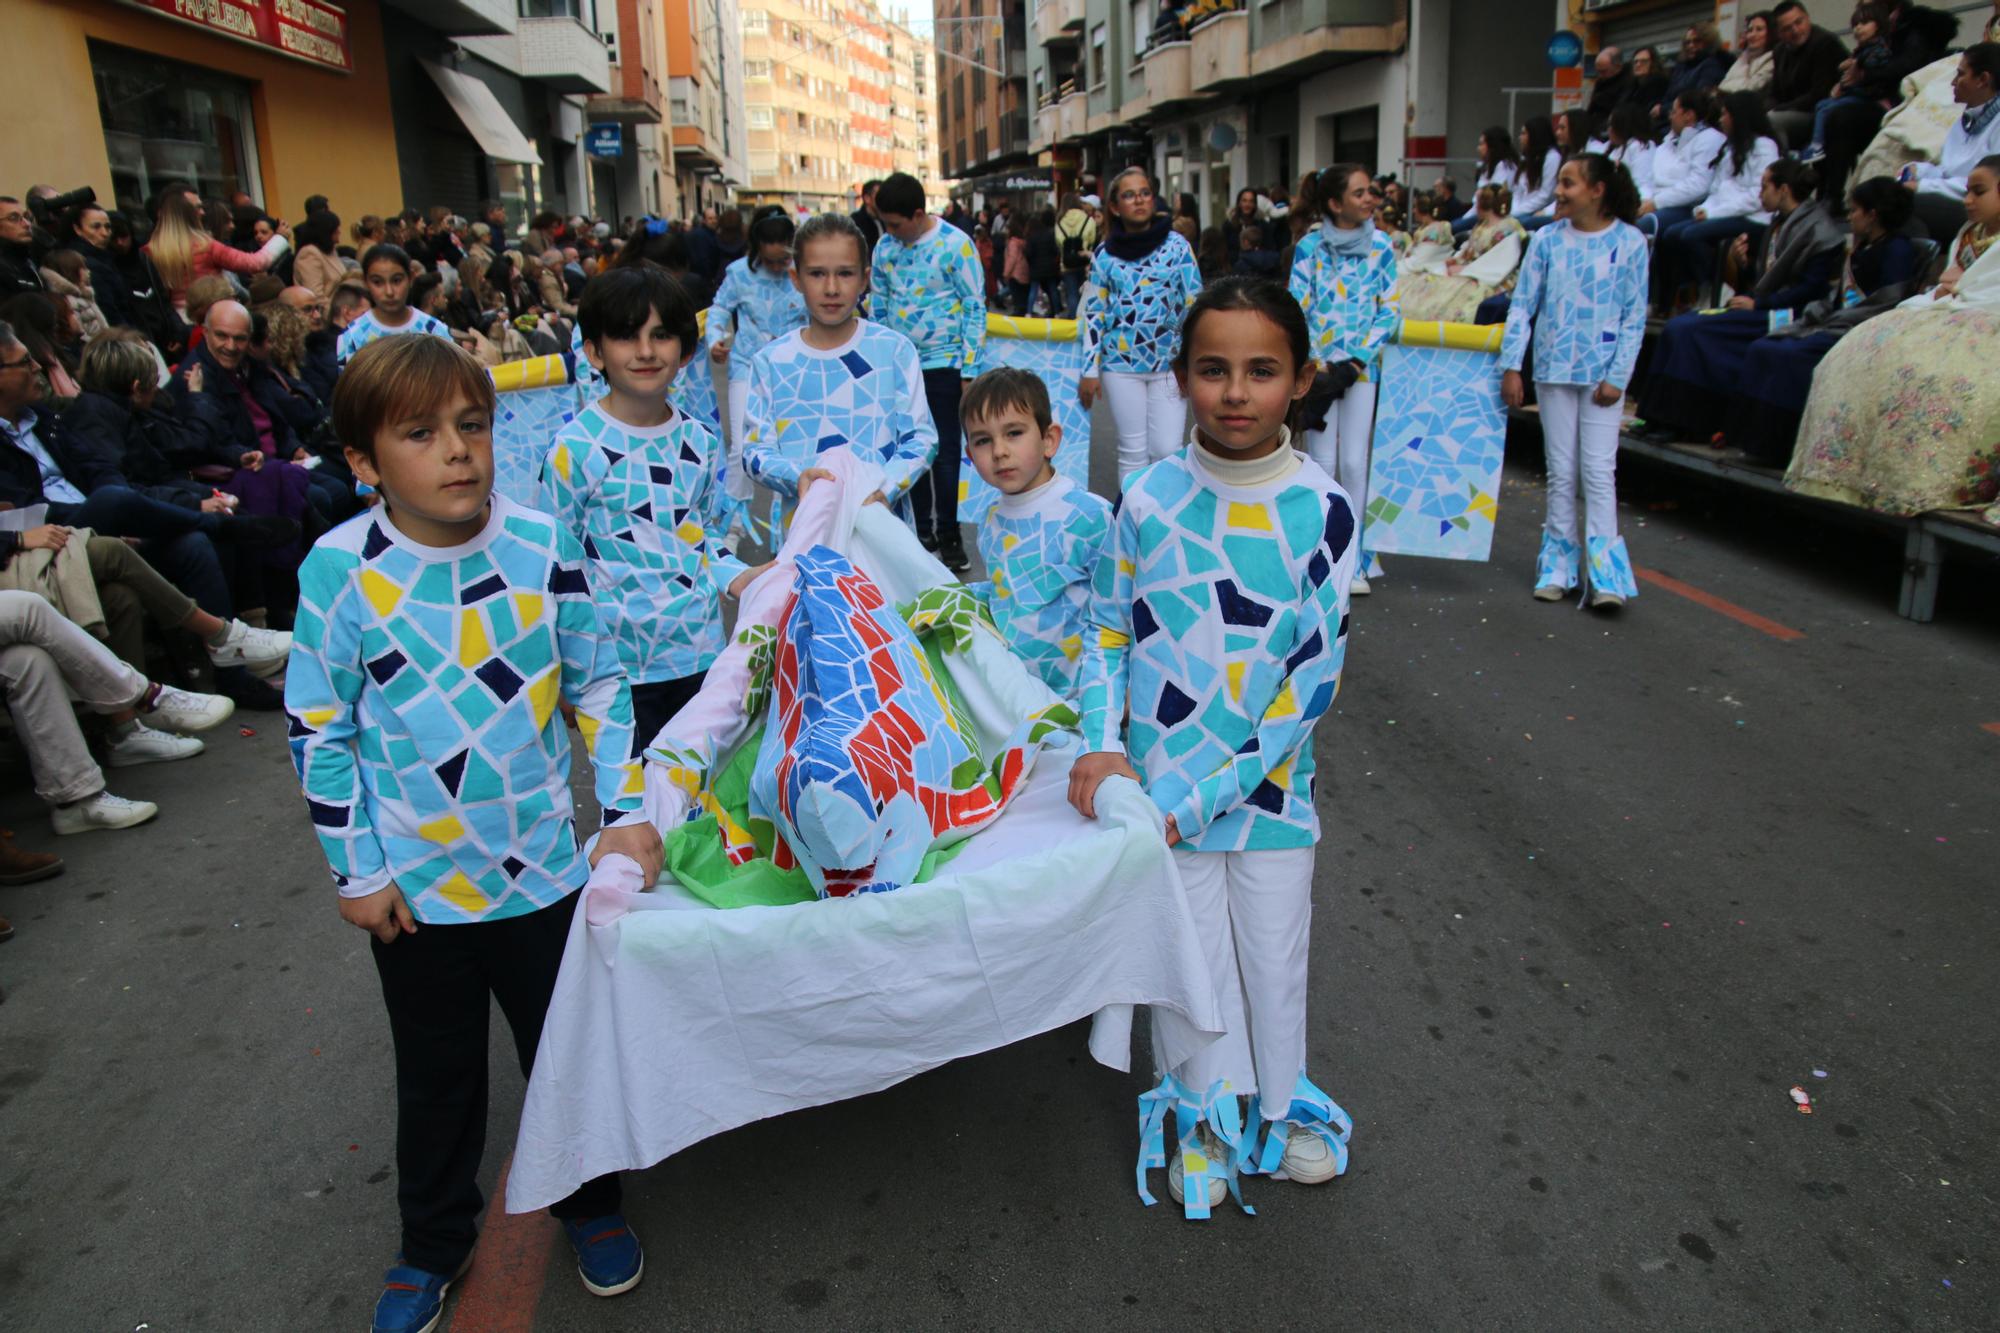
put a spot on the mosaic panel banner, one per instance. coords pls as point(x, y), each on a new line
point(1440, 437)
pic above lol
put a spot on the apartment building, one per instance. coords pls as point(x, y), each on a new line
point(983, 106)
point(706, 96)
point(835, 94)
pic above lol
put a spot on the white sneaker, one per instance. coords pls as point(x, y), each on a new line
point(263, 651)
point(1208, 1143)
point(1359, 588)
point(1308, 1159)
point(143, 745)
point(1549, 592)
point(183, 710)
point(101, 811)
point(1606, 601)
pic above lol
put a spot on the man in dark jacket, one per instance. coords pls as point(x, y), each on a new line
point(1701, 66)
point(1804, 67)
point(237, 400)
point(864, 216)
point(18, 270)
point(1917, 35)
point(1611, 81)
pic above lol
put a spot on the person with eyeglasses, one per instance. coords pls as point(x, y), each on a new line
point(319, 367)
point(18, 270)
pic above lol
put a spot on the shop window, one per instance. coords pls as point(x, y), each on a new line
point(165, 121)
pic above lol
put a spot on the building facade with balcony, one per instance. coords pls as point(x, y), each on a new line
point(983, 105)
point(633, 171)
point(1218, 95)
point(706, 103)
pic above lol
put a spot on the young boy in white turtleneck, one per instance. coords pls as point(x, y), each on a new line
point(1041, 539)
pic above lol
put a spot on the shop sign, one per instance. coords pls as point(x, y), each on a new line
point(605, 139)
point(1565, 50)
point(309, 30)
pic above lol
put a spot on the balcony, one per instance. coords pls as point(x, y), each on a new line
point(1220, 52)
point(461, 18)
point(649, 107)
point(1058, 22)
point(564, 54)
point(1048, 126)
point(1073, 116)
point(1168, 78)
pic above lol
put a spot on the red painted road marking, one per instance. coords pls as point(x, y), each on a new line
point(501, 1292)
point(1716, 604)
point(1993, 727)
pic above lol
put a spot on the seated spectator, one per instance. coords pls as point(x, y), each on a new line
point(277, 344)
point(1648, 84)
point(242, 405)
point(1629, 143)
point(1684, 166)
point(1499, 164)
point(1904, 413)
point(1256, 257)
point(138, 441)
point(89, 238)
point(1702, 65)
point(1883, 269)
point(66, 277)
point(1485, 267)
point(318, 365)
point(1535, 184)
point(1573, 133)
point(544, 279)
point(1431, 242)
point(1450, 207)
point(1687, 250)
point(1893, 40)
point(1752, 71)
point(1804, 67)
point(105, 587)
point(318, 266)
point(1610, 86)
point(41, 324)
point(1698, 356)
point(45, 661)
point(202, 294)
point(182, 249)
point(251, 230)
point(149, 306)
point(18, 270)
point(1975, 135)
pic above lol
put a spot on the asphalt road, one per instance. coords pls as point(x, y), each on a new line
point(1595, 894)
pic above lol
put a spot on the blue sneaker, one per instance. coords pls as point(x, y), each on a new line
point(608, 1257)
point(412, 1299)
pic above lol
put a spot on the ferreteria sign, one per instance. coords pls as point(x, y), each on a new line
point(308, 30)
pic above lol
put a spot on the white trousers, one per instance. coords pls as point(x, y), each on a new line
point(1579, 436)
point(1254, 913)
point(1150, 416)
point(739, 485)
point(1342, 446)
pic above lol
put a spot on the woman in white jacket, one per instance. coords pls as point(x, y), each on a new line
point(1734, 205)
point(1683, 167)
point(1541, 162)
point(1629, 143)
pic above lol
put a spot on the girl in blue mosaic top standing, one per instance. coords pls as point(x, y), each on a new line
point(1142, 281)
point(756, 303)
point(1344, 276)
point(1585, 274)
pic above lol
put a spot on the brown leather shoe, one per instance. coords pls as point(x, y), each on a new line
point(19, 867)
point(6, 930)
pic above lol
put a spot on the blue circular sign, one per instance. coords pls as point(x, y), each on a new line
point(1565, 49)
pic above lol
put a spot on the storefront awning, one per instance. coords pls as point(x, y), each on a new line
point(483, 116)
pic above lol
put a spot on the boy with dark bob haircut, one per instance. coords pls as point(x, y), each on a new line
point(436, 634)
point(638, 485)
point(1041, 538)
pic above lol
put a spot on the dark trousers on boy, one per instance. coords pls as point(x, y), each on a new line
point(654, 705)
point(438, 985)
point(934, 496)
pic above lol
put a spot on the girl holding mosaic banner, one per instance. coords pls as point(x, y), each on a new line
point(1142, 281)
point(1344, 276)
point(1585, 275)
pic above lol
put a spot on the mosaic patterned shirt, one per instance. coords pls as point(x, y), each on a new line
point(934, 294)
point(1589, 289)
point(422, 690)
point(1220, 614)
point(1350, 300)
point(766, 306)
point(1133, 310)
point(1040, 549)
point(868, 393)
point(365, 330)
point(640, 501)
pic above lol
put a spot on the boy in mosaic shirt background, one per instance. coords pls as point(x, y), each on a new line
point(928, 285)
point(636, 482)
